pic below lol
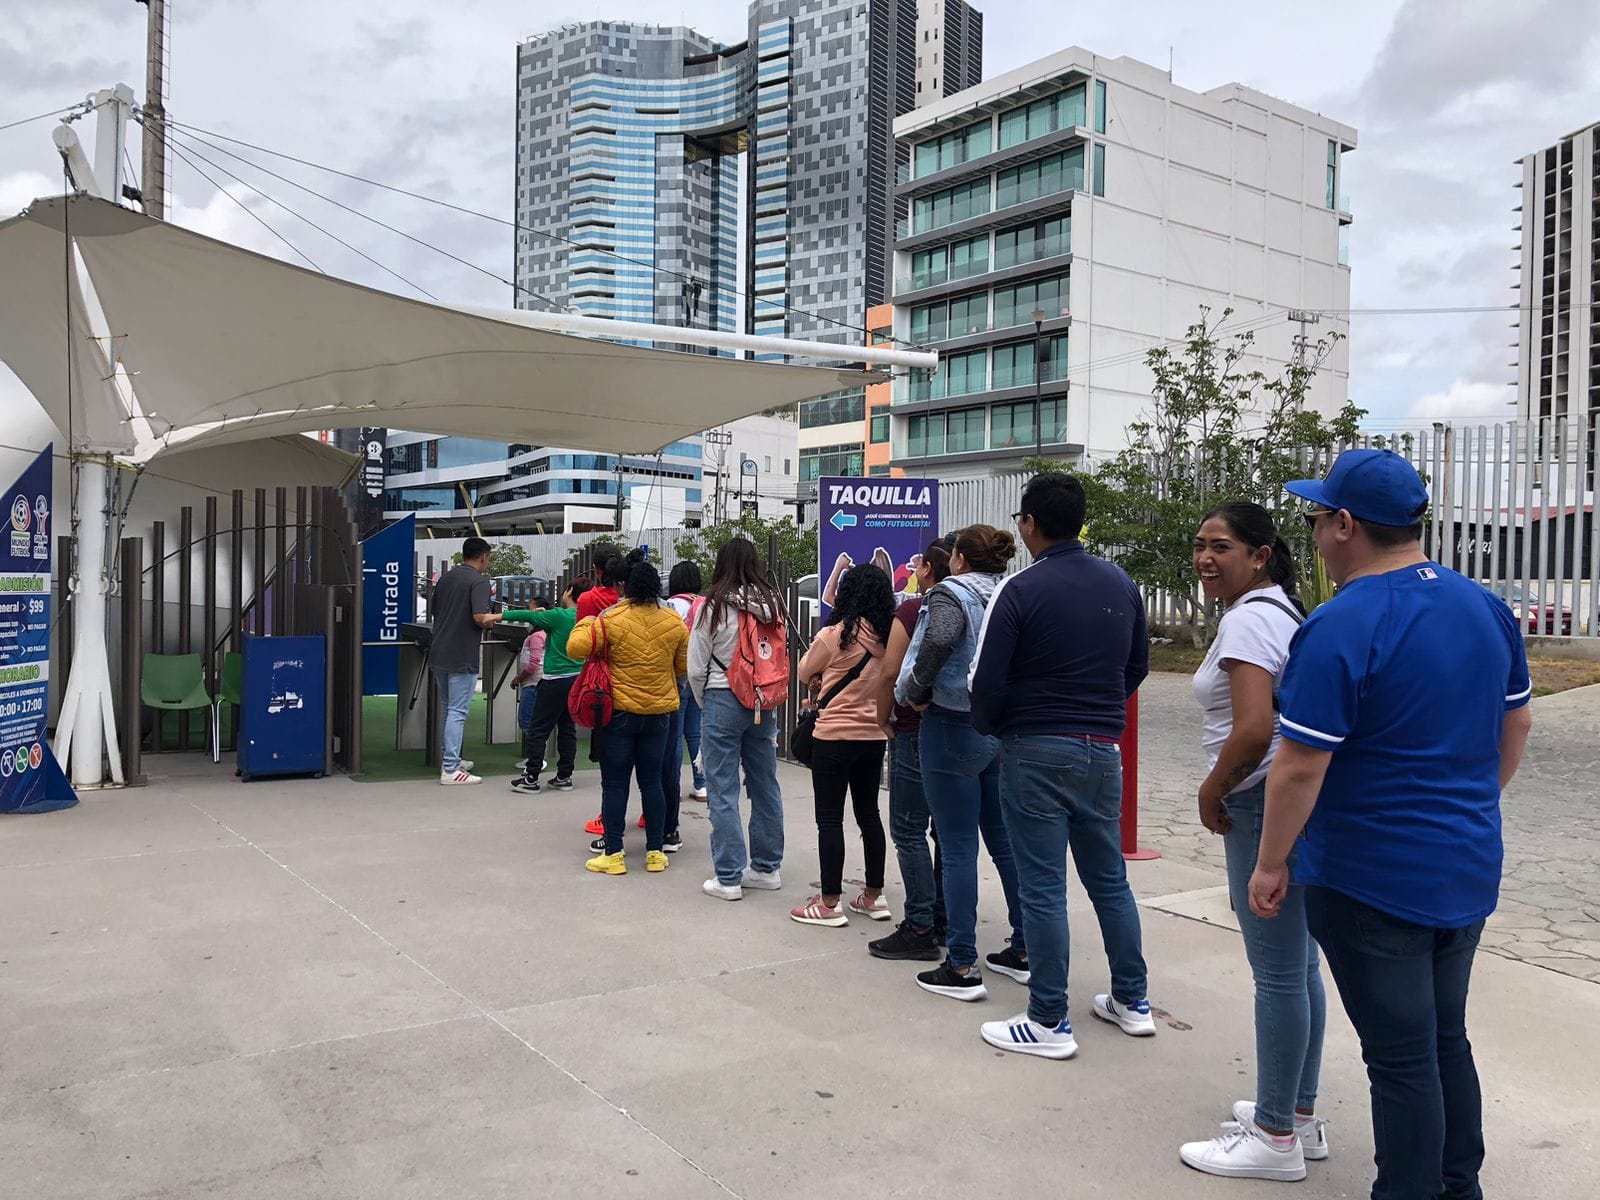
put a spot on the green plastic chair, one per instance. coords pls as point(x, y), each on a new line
point(230, 688)
point(177, 683)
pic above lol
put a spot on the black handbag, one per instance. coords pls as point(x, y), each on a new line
point(803, 741)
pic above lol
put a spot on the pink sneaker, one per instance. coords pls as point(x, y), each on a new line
point(878, 910)
point(815, 912)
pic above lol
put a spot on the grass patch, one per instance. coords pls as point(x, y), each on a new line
point(1177, 657)
point(382, 763)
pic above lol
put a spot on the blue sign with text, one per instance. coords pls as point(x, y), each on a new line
point(885, 522)
point(30, 779)
point(389, 600)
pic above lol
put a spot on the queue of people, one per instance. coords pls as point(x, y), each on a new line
point(1359, 813)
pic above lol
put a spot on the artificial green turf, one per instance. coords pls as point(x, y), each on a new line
point(382, 763)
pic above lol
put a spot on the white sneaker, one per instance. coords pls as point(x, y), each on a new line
point(762, 881)
point(1134, 1019)
point(878, 910)
point(721, 891)
point(1312, 1131)
point(458, 777)
point(1245, 1153)
point(1026, 1036)
point(697, 794)
point(466, 764)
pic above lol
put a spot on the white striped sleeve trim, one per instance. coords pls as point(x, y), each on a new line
point(1315, 733)
point(1524, 694)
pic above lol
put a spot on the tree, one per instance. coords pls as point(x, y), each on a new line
point(1214, 432)
point(797, 548)
point(505, 558)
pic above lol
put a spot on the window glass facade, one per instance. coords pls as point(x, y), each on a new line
point(1099, 105)
point(1059, 173)
point(880, 428)
point(958, 260)
point(834, 409)
point(1014, 362)
point(843, 459)
point(1333, 174)
point(1015, 305)
point(1011, 425)
point(953, 149)
point(1033, 241)
point(958, 375)
point(1099, 169)
point(1064, 110)
point(947, 207)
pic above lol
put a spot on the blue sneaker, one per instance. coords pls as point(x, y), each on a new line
point(1134, 1019)
point(1025, 1036)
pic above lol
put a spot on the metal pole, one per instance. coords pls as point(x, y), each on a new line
point(153, 181)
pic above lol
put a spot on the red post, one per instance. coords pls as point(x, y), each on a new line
point(1130, 787)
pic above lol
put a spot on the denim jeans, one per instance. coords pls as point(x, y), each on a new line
point(961, 779)
point(1291, 1010)
point(920, 873)
point(1404, 988)
point(455, 698)
point(691, 733)
point(729, 739)
point(526, 695)
point(632, 747)
point(1061, 793)
point(672, 772)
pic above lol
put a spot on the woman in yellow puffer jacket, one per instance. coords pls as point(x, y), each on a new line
point(647, 645)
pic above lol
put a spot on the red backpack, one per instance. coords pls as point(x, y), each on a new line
point(589, 702)
point(758, 676)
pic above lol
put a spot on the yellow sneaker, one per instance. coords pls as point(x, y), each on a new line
point(655, 860)
point(608, 864)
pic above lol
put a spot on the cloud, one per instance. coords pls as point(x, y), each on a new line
point(1465, 400)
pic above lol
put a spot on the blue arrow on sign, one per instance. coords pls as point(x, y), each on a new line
point(842, 521)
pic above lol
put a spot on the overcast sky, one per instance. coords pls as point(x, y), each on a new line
point(1445, 94)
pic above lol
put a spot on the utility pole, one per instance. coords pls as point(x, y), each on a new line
point(721, 439)
point(1301, 342)
point(153, 176)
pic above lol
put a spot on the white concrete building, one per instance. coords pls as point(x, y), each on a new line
point(754, 459)
point(1558, 289)
point(1113, 203)
point(949, 49)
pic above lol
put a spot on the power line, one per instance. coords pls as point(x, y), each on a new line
point(555, 237)
point(301, 217)
point(254, 216)
point(42, 116)
point(367, 217)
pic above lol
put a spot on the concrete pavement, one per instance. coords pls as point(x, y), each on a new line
point(324, 989)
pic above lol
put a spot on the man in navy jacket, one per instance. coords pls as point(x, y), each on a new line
point(1063, 646)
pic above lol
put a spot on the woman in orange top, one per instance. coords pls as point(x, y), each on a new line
point(848, 757)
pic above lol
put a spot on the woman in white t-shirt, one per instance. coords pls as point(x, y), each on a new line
point(1242, 562)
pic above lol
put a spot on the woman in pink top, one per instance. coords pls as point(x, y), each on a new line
point(848, 757)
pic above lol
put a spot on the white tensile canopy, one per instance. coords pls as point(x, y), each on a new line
point(223, 345)
point(140, 339)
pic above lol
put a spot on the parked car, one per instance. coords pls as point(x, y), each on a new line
point(1539, 617)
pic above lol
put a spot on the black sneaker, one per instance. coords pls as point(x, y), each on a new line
point(944, 981)
point(561, 783)
point(1012, 962)
point(672, 843)
point(526, 783)
point(905, 943)
point(598, 845)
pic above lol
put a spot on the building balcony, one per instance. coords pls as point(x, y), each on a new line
point(1034, 148)
point(907, 238)
point(921, 288)
point(925, 394)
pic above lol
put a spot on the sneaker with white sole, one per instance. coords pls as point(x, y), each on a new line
point(1011, 963)
point(815, 912)
point(1247, 1152)
point(697, 794)
point(672, 842)
point(878, 910)
point(722, 891)
point(1312, 1131)
point(458, 778)
point(1026, 1036)
point(762, 881)
point(945, 980)
point(525, 783)
point(466, 764)
point(561, 783)
point(1134, 1019)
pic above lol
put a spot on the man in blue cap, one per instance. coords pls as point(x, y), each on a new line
point(1404, 713)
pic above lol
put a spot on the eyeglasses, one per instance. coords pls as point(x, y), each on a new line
point(1016, 518)
point(1316, 514)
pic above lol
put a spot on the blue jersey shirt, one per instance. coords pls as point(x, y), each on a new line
point(1406, 678)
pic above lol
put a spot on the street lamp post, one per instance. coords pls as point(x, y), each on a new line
point(747, 466)
point(1038, 382)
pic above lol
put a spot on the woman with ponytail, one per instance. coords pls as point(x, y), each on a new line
point(1241, 561)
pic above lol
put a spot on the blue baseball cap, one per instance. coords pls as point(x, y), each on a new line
point(1375, 486)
